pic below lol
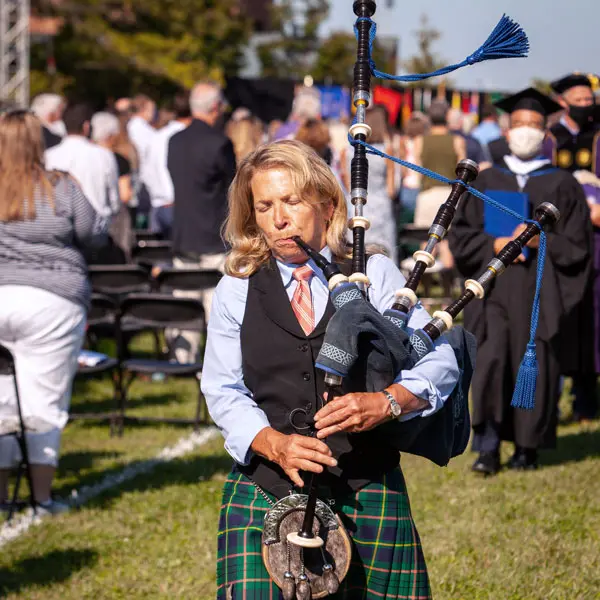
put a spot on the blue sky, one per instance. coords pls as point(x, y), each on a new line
point(564, 35)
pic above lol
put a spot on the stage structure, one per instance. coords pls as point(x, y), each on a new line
point(14, 52)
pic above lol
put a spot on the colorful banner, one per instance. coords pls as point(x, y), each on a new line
point(335, 102)
point(391, 99)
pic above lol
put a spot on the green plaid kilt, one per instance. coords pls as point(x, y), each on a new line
point(387, 559)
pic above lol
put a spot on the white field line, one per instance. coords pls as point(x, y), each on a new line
point(21, 524)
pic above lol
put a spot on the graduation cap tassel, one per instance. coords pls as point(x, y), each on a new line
point(507, 40)
point(524, 394)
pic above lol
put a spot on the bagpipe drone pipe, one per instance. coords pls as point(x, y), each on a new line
point(306, 549)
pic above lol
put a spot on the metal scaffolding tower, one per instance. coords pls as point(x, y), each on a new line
point(14, 51)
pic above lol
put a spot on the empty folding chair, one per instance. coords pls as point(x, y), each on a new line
point(150, 252)
point(102, 322)
point(157, 312)
point(146, 235)
point(16, 427)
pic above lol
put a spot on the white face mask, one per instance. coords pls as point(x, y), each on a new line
point(525, 142)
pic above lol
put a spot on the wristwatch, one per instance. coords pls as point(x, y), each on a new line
point(395, 408)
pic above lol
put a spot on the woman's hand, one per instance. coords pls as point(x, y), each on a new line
point(293, 453)
point(363, 411)
point(356, 412)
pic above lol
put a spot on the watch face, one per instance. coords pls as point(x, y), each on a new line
point(396, 410)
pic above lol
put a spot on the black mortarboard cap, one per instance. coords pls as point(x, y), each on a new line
point(560, 86)
point(529, 99)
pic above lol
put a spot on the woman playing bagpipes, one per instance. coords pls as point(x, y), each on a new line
point(266, 328)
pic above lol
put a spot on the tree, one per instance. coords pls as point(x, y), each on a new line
point(426, 60)
point(542, 85)
point(292, 53)
point(123, 46)
point(337, 55)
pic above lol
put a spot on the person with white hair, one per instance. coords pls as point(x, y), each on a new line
point(105, 131)
point(306, 107)
point(49, 108)
point(201, 162)
point(93, 167)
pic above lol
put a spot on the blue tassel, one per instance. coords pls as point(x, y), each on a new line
point(507, 40)
point(524, 394)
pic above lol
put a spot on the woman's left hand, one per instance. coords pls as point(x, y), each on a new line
point(353, 413)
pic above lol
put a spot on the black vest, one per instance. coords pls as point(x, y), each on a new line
point(278, 362)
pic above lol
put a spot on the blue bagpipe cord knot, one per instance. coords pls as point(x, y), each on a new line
point(524, 394)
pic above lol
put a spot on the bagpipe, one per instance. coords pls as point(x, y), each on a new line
point(306, 548)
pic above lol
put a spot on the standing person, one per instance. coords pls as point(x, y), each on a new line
point(306, 106)
point(49, 108)
point(456, 120)
point(488, 130)
point(416, 127)
point(501, 321)
point(141, 133)
point(266, 327)
point(379, 208)
point(245, 133)
point(574, 144)
point(201, 163)
point(159, 181)
point(95, 168)
point(438, 151)
point(106, 130)
point(45, 223)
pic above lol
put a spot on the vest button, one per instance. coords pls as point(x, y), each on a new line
point(306, 376)
point(303, 347)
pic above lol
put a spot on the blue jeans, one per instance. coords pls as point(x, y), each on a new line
point(161, 220)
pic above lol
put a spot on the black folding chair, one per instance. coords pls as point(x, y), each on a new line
point(157, 312)
point(151, 252)
point(196, 280)
point(118, 280)
point(102, 322)
point(146, 235)
point(7, 367)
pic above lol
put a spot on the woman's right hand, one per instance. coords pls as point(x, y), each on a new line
point(293, 453)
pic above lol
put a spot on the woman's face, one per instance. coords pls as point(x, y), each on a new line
point(281, 214)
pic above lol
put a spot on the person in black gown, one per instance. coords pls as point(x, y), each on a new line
point(501, 321)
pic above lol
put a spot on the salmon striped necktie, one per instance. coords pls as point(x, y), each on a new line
point(302, 303)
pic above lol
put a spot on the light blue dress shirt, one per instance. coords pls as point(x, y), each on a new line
point(230, 402)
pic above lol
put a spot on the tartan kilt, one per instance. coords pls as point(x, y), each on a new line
point(387, 559)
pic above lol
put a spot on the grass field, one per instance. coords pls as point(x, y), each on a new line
point(516, 536)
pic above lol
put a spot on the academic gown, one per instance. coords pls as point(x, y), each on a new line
point(501, 320)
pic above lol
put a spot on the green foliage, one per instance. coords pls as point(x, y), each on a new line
point(122, 47)
point(542, 85)
point(426, 60)
point(337, 55)
point(292, 54)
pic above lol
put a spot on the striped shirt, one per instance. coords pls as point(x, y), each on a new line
point(46, 252)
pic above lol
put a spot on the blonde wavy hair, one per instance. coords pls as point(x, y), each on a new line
point(22, 171)
point(314, 182)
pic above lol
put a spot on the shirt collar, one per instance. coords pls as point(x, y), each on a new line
point(286, 270)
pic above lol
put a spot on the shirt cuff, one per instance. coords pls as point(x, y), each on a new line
point(239, 440)
point(422, 388)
